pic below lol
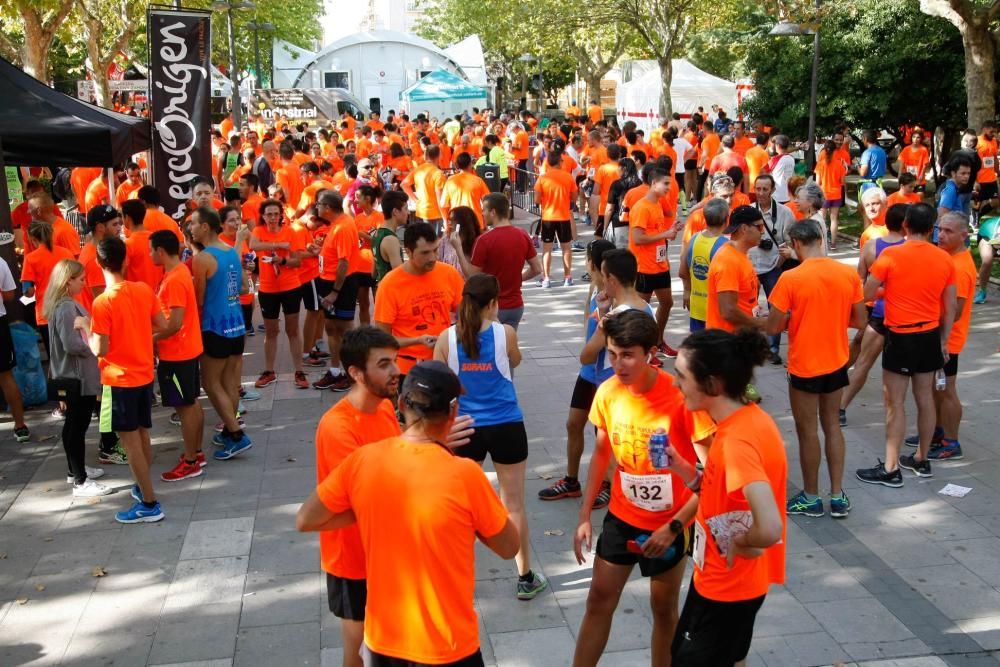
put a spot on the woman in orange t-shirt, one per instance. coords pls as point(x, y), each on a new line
point(38, 268)
point(739, 530)
point(830, 173)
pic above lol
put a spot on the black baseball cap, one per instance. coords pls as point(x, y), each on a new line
point(438, 384)
point(100, 214)
point(743, 215)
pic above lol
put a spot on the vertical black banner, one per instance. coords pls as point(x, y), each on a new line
point(180, 77)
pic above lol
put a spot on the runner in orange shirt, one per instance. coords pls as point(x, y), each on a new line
point(757, 157)
point(554, 192)
point(830, 172)
point(986, 180)
point(425, 185)
point(313, 184)
point(41, 207)
point(906, 193)
point(817, 301)
point(79, 179)
point(38, 268)
point(710, 146)
point(732, 281)
point(736, 558)
point(250, 198)
point(139, 267)
point(464, 188)
point(604, 177)
point(914, 159)
point(287, 175)
point(130, 186)
point(97, 192)
point(522, 152)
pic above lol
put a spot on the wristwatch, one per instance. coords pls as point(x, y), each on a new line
point(676, 527)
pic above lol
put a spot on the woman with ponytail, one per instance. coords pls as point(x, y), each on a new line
point(38, 266)
point(739, 542)
point(483, 353)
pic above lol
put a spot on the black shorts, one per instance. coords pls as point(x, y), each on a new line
point(221, 347)
point(821, 384)
point(690, 165)
point(987, 191)
point(347, 298)
point(310, 295)
point(272, 303)
point(372, 659)
point(878, 325)
point(909, 353)
point(647, 283)
point(951, 366)
point(180, 382)
point(7, 359)
point(505, 443)
point(127, 409)
point(364, 280)
point(612, 547)
point(711, 633)
point(583, 394)
point(347, 597)
point(561, 229)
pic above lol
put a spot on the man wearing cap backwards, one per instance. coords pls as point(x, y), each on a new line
point(417, 505)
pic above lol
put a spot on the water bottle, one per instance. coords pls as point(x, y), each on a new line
point(658, 454)
point(940, 382)
point(666, 555)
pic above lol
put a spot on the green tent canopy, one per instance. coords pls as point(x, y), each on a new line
point(442, 85)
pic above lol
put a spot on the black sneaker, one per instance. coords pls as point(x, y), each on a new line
point(603, 496)
point(879, 475)
point(918, 468)
point(564, 488)
point(843, 417)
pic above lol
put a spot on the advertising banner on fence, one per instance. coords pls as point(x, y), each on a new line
point(296, 104)
point(180, 48)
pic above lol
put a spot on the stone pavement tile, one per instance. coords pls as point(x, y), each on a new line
point(285, 645)
point(631, 627)
point(634, 658)
point(226, 662)
point(814, 576)
point(207, 581)
point(286, 552)
point(184, 636)
point(280, 599)
point(217, 538)
point(485, 645)
point(959, 595)
point(14, 569)
point(290, 453)
point(109, 648)
point(797, 540)
point(898, 545)
point(862, 621)
point(984, 631)
point(503, 612)
point(28, 651)
point(331, 657)
point(782, 615)
point(812, 648)
point(983, 500)
point(522, 648)
point(942, 522)
point(288, 482)
point(887, 649)
point(68, 551)
point(981, 556)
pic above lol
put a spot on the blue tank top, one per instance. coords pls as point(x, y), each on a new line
point(878, 308)
point(489, 396)
point(221, 313)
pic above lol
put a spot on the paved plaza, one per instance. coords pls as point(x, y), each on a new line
point(911, 578)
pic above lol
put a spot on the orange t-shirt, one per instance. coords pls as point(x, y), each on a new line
point(710, 148)
point(427, 181)
point(308, 196)
point(914, 275)
point(79, 179)
point(595, 113)
point(273, 277)
point(987, 150)
point(899, 197)
point(309, 266)
point(417, 306)
point(250, 210)
point(651, 257)
point(965, 288)
point(668, 203)
point(156, 220)
point(341, 431)
point(97, 193)
point(365, 223)
point(139, 265)
point(555, 192)
point(747, 448)
point(93, 276)
point(177, 291)
point(38, 268)
point(341, 242)
point(819, 296)
point(630, 419)
point(598, 157)
point(730, 271)
point(743, 144)
point(520, 146)
point(124, 313)
point(914, 160)
point(126, 191)
point(756, 158)
point(604, 178)
point(466, 189)
point(65, 236)
point(830, 173)
point(289, 179)
point(422, 501)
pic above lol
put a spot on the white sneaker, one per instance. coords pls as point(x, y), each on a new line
point(92, 473)
point(90, 489)
point(546, 283)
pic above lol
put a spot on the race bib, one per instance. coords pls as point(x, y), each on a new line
point(652, 493)
point(661, 253)
point(698, 548)
point(988, 162)
point(911, 169)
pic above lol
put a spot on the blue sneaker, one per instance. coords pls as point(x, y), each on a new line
point(249, 395)
point(233, 448)
point(219, 440)
point(136, 493)
point(914, 440)
point(799, 504)
point(840, 505)
point(139, 513)
point(980, 296)
point(948, 450)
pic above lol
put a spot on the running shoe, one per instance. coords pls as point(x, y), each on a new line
point(588, 221)
point(568, 282)
point(655, 361)
point(90, 489)
point(233, 448)
point(840, 506)
point(200, 458)
point(774, 358)
point(339, 382)
point(799, 504)
point(92, 473)
point(136, 493)
point(116, 457)
point(752, 394)
point(183, 470)
point(546, 283)
point(527, 590)
point(221, 426)
point(175, 419)
point(668, 352)
point(261, 328)
point(842, 415)
point(240, 409)
point(918, 468)
point(564, 488)
point(59, 413)
point(220, 440)
point(22, 434)
point(980, 296)
point(316, 352)
point(585, 278)
point(249, 394)
point(301, 381)
point(139, 513)
point(879, 475)
point(266, 378)
point(603, 496)
point(914, 440)
point(250, 332)
point(948, 450)
point(310, 360)
point(578, 247)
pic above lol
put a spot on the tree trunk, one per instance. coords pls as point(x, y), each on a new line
point(97, 67)
point(35, 52)
point(666, 78)
point(980, 55)
point(593, 82)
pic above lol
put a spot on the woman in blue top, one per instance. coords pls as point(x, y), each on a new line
point(483, 353)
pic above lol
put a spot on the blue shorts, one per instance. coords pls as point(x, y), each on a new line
point(696, 325)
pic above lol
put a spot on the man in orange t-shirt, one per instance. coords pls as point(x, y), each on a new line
point(130, 186)
point(464, 188)
point(416, 301)
point(914, 158)
point(287, 175)
point(179, 346)
point(554, 192)
point(41, 207)
point(80, 178)
point(97, 192)
point(139, 266)
point(917, 280)
point(756, 157)
point(124, 318)
point(732, 280)
point(388, 489)
point(986, 180)
point(521, 150)
point(906, 193)
point(251, 198)
point(817, 301)
point(710, 146)
point(155, 219)
point(425, 185)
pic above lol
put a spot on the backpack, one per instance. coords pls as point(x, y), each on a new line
point(61, 187)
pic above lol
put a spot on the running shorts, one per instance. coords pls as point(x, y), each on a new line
point(180, 382)
point(126, 409)
point(220, 347)
point(583, 394)
point(647, 283)
point(909, 353)
point(612, 547)
point(561, 229)
point(273, 303)
point(711, 633)
point(506, 444)
point(347, 597)
point(821, 384)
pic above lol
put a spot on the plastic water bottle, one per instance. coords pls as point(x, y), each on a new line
point(940, 382)
point(658, 455)
point(666, 555)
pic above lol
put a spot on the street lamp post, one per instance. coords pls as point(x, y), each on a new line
point(257, 28)
point(228, 6)
point(789, 29)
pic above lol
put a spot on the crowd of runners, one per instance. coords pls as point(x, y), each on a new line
point(382, 255)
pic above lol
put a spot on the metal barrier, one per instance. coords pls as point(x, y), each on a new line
point(523, 190)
